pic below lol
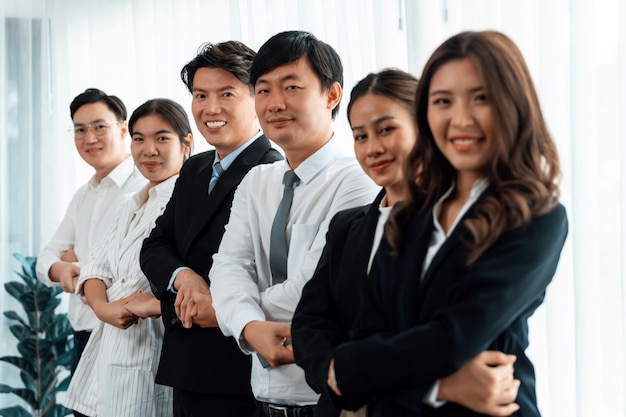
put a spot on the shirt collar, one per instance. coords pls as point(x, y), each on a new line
point(230, 158)
point(118, 176)
point(161, 190)
point(317, 162)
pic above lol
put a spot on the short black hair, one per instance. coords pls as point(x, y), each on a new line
point(93, 95)
point(232, 56)
point(286, 47)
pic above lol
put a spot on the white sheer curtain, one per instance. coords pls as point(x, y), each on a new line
point(54, 49)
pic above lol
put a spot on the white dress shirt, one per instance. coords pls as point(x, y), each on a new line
point(88, 217)
point(241, 277)
point(115, 376)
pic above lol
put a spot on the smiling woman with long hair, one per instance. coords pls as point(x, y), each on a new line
point(470, 253)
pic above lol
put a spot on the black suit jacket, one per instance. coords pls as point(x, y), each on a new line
point(188, 234)
point(331, 298)
point(420, 330)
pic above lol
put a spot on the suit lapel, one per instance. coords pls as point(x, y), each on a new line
point(210, 203)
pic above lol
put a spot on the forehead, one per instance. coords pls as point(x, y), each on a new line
point(88, 113)
point(215, 79)
point(458, 73)
point(300, 69)
point(371, 107)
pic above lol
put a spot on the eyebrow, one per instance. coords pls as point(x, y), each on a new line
point(287, 77)
point(158, 132)
point(90, 123)
point(471, 90)
point(377, 121)
point(225, 88)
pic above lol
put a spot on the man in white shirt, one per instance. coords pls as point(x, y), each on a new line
point(298, 86)
point(99, 132)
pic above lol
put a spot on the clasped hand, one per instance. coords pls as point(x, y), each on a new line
point(269, 339)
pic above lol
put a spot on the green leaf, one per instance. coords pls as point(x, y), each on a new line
point(29, 383)
point(23, 393)
point(28, 348)
point(21, 333)
point(16, 289)
point(23, 364)
point(12, 315)
point(65, 384)
point(15, 411)
point(58, 410)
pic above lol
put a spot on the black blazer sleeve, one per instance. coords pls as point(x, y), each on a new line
point(464, 309)
point(159, 256)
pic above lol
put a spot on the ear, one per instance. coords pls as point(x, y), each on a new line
point(124, 128)
point(333, 95)
point(187, 148)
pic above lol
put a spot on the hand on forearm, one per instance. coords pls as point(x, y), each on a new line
point(69, 256)
point(269, 339)
point(144, 305)
point(485, 384)
point(187, 283)
point(66, 274)
point(113, 313)
point(204, 314)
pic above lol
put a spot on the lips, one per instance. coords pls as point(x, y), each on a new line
point(279, 121)
point(380, 165)
point(150, 165)
point(465, 144)
point(215, 124)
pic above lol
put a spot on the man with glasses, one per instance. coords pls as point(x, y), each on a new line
point(99, 132)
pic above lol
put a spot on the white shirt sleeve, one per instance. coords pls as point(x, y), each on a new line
point(233, 277)
point(62, 240)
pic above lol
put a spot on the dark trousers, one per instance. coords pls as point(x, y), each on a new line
point(196, 404)
point(80, 341)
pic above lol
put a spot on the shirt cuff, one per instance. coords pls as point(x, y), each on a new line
point(431, 396)
point(170, 286)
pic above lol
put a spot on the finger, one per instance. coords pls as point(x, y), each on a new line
point(495, 358)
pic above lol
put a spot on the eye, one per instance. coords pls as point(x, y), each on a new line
point(228, 94)
point(80, 130)
point(386, 130)
point(162, 138)
point(360, 137)
point(440, 101)
point(292, 87)
point(137, 139)
point(481, 97)
point(261, 91)
point(199, 96)
point(99, 127)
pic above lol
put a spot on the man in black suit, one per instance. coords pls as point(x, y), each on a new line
point(209, 373)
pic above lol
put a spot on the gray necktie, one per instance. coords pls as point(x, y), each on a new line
point(217, 173)
point(278, 240)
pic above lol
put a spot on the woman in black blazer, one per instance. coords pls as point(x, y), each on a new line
point(380, 112)
point(470, 253)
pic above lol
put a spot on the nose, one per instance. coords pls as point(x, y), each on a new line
point(149, 148)
point(462, 116)
point(90, 137)
point(374, 146)
point(276, 102)
point(213, 105)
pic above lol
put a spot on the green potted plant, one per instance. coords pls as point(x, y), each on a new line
point(44, 345)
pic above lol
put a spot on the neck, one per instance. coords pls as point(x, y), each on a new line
point(103, 172)
point(298, 154)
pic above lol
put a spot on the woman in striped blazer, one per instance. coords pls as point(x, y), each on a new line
point(115, 376)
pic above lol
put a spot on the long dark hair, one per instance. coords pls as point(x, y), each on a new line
point(525, 168)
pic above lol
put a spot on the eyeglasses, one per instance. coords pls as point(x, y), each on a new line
point(98, 128)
